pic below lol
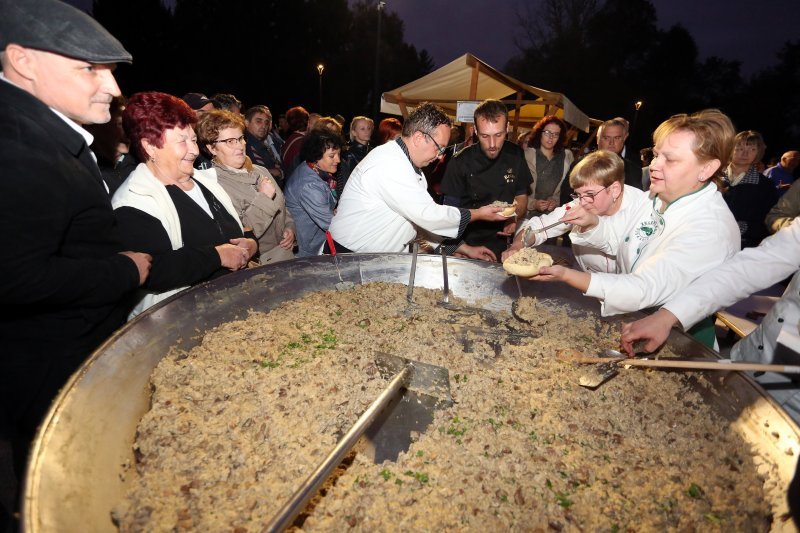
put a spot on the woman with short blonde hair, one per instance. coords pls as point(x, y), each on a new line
point(253, 190)
point(681, 230)
point(355, 150)
point(598, 182)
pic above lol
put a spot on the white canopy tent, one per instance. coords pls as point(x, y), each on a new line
point(469, 78)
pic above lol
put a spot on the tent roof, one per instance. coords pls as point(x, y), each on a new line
point(469, 78)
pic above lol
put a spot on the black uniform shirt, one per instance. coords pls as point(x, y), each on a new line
point(473, 180)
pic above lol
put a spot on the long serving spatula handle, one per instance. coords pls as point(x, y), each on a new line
point(284, 518)
point(710, 364)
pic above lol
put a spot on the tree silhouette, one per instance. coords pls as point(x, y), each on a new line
point(144, 28)
point(264, 52)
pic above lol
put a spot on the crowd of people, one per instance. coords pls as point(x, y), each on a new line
point(111, 205)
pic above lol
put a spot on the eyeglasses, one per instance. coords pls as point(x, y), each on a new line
point(589, 196)
point(233, 141)
point(439, 149)
point(551, 134)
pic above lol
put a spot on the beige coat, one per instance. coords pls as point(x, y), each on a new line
point(267, 217)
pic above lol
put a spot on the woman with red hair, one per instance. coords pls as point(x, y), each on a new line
point(389, 129)
point(179, 215)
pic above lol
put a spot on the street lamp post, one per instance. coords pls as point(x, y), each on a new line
point(320, 68)
point(376, 97)
point(636, 107)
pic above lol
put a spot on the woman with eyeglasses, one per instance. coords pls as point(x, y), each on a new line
point(549, 162)
point(671, 237)
point(599, 184)
point(179, 215)
point(309, 196)
point(255, 194)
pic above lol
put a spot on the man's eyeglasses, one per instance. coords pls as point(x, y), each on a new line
point(589, 196)
point(233, 141)
point(551, 134)
point(439, 149)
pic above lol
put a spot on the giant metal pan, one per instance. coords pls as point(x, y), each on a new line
point(75, 472)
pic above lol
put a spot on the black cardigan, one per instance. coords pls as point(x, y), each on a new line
point(197, 260)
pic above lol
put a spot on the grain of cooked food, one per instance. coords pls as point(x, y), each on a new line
point(508, 209)
point(527, 262)
point(238, 422)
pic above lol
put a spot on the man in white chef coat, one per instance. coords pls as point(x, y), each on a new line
point(385, 203)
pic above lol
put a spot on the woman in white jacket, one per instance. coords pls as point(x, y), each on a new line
point(599, 184)
point(682, 230)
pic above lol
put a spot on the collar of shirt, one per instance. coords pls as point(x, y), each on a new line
point(404, 148)
point(750, 176)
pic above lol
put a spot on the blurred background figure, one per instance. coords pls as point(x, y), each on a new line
point(749, 195)
point(357, 148)
point(261, 148)
point(646, 155)
point(389, 129)
point(523, 138)
point(221, 134)
point(297, 122)
point(227, 102)
point(199, 102)
point(283, 126)
point(782, 174)
point(111, 147)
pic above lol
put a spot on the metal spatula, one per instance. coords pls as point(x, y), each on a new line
point(430, 382)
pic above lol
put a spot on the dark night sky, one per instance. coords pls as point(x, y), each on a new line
point(744, 30)
point(751, 32)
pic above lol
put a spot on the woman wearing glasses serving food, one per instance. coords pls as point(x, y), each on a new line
point(682, 230)
point(598, 181)
point(255, 194)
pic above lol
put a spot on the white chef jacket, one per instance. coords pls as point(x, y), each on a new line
point(590, 259)
point(384, 200)
point(658, 254)
point(752, 269)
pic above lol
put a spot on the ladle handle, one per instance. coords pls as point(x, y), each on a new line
point(446, 290)
point(709, 364)
point(285, 517)
point(713, 365)
point(414, 254)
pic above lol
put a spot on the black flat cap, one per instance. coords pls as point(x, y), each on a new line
point(195, 100)
point(57, 27)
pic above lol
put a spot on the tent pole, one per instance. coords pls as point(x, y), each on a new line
point(517, 107)
point(473, 84)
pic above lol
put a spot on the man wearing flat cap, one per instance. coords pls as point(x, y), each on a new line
point(64, 278)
